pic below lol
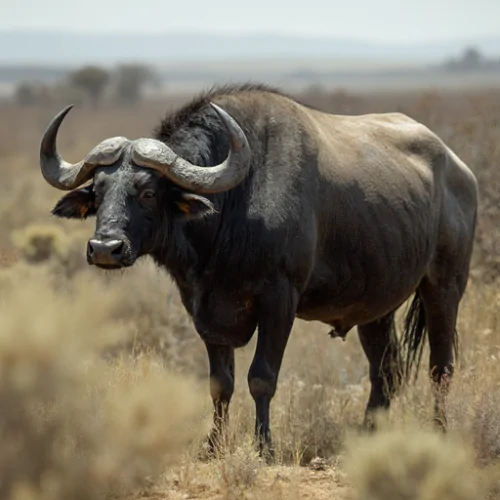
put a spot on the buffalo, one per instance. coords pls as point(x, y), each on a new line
point(263, 209)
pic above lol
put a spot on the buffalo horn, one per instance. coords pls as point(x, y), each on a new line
point(155, 154)
point(66, 176)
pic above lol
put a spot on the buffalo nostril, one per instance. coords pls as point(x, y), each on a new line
point(116, 248)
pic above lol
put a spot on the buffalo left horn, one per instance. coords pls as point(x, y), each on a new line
point(154, 154)
point(66, 176)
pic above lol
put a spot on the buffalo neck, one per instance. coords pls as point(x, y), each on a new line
point(194, 250)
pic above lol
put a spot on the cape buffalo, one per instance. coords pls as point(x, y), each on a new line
point(263, 209)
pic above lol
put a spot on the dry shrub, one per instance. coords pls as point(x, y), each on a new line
point(307, 419)
point(40, 243)
point(155, 322)
point(411, 464)
point(144, 300)
point(239, 471)
point(50, 244)
point(486, 427)
point(71, 425)
point(311, 420)
point(321, 393)
point(474, 408)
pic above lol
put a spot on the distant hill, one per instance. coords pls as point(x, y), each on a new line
point(67, 48)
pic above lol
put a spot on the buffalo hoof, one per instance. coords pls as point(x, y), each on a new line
point(266, 451)
point(212, 448)
point(369, 423)
point(268, 456)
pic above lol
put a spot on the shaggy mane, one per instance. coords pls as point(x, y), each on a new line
point(188, 112)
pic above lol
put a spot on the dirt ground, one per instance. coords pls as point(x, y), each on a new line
point(273, 482)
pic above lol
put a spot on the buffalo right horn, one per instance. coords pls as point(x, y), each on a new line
point(155, 154)
point(66, 176)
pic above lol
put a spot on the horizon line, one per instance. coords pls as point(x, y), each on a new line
point(474, 38)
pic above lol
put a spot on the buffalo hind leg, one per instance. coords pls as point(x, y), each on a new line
point(221, 360)
point(380, 345)
point(441, 301)
point(276, 316)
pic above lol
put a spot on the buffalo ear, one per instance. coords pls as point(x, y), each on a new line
point(194, 206)
point(78, 204)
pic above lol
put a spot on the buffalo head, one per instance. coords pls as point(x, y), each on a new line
point(132, 182)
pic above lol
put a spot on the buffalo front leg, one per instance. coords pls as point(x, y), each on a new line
point(277, 311)
point(221, 360)
point(380, 346)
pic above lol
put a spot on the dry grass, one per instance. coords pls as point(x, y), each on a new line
point(412, 464)
point(73, 426)
point(103, 381)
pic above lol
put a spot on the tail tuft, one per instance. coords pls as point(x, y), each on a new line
point(414, 335)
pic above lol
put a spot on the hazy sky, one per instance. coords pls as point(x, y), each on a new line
point(381, 20)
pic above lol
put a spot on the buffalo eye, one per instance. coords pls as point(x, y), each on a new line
point(147, 194)
point(98, 193)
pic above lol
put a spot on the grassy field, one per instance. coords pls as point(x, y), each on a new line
point(103, 380)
